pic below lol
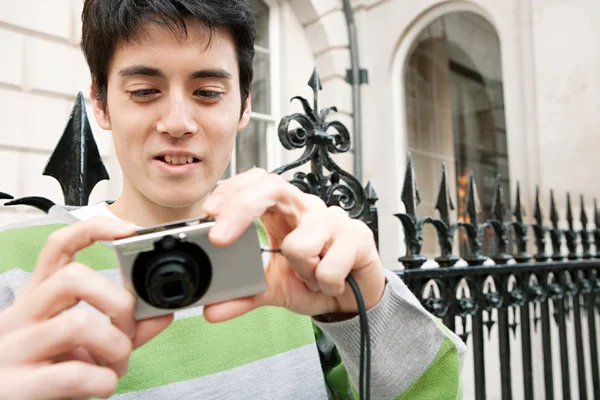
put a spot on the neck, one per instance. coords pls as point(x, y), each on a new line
point(136, 208)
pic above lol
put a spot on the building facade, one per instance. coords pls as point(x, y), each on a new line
point(488, 86)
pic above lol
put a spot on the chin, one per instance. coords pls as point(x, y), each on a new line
point(175, 199)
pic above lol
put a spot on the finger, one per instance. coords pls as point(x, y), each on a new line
point(270, 193)
point(77, 328)
point(76, 283)
point(62, 245)
point(73, 379)
point(335, 266)
point(231, 186)
point(149, 328)
point(219, 312)
point(304, 246)
point(352, 250)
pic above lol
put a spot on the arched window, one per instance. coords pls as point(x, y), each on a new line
point(251, 147)
point(455, 112)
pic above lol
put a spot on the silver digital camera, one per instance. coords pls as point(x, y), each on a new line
point(175, 266)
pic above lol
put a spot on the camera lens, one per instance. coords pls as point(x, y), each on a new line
point(175, 274)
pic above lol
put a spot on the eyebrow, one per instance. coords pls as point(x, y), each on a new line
point(155, 72)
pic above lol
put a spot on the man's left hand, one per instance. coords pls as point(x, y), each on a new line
point(320, 247)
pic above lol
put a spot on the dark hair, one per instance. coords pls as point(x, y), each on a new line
point(106, 23)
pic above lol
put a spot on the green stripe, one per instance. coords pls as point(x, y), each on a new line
point(22, 246)
point(192, 347)
point(441, 380)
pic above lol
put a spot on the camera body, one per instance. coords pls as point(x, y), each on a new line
point(174, 266)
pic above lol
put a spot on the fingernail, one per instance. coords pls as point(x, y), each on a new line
point(220, 230)
point(123, 369)
point(131, 329)
point(313, 286)
point(213, 202)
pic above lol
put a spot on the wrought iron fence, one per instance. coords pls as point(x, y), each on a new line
point(517, 283)
point(533, 287)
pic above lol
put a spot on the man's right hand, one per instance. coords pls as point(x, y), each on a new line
point(50, 352)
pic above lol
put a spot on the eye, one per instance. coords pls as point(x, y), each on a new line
point(143, 93)
point(208, 94)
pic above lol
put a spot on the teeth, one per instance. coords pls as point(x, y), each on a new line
point(178, 160)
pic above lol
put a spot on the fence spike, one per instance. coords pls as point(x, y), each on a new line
point(315, 83)
point(569, 213)
point(371, 193)
point(583, 215)
point(498, 200)
point(586, 239)
point(539, 230)
point(444, 202)
point(555, 233)
point(538, 212)
point(520, 229)
point(76, 163)
point(413, 227)
point(473, 206)
point(596, 229)
point(570, 234)
point(553, 212)
point(596, 214)
point(497, 223)
point(410, 191)
point(519, 209)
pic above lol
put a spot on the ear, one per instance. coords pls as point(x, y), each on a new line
point(246, 114)
point(99, 112)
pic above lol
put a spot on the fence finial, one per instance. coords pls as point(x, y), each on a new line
point(586, 239)
point(555, 233)
point(539, 229)
point(413, 227)
point(410, 191)
point(444, 201)
point(570, 234)
point(473, 229)
point(76, 163)
point(497, 223)
point(520, 229)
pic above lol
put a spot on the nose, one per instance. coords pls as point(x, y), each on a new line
point(177, 119)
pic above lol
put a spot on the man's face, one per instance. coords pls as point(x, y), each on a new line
point(173, 106)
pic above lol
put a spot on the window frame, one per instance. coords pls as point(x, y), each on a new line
point(272, 119)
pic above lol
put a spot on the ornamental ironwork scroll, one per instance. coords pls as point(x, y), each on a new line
point(320, 139)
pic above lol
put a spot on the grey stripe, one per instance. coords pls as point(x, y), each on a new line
point(295, 375)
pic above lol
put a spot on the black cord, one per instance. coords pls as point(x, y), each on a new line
point(365, 341)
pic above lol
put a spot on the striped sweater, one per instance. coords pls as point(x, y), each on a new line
point(269, 353)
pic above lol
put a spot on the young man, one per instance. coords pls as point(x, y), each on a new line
point(171, 80)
